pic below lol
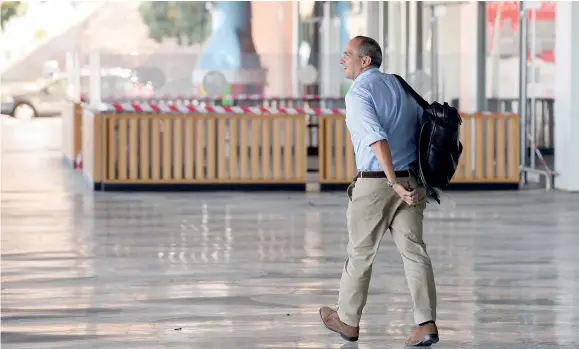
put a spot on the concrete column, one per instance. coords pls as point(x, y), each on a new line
point(325, 37)
point(566, 92)
point(419, 35)
point(377, 24)
point(412, 35)
point(295, 48)
point(472, 65)
point(395, 49)
point(95, 93)
point(382, 32)
point(372, 16)
point(403, 28)
point(77, 64)
point(330, 53)
point(73, 77)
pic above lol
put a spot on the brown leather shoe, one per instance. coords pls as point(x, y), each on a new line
point(333, 323)
point(423, 336)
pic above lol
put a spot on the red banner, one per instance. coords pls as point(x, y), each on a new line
point(507, 14)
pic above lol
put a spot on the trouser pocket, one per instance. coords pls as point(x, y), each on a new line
point(350, 190)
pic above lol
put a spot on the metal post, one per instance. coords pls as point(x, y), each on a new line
point(523, 88)
point(528, 173)
point(533, 82)
point(481, 54)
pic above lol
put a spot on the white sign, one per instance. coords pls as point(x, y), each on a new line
point(308, 75)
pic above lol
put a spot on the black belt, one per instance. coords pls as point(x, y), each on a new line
point(381, 174)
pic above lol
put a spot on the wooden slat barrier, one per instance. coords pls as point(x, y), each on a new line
point(336, 154)
point(491, 150)
point(205, 149)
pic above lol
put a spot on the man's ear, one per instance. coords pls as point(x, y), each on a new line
point(366, 61)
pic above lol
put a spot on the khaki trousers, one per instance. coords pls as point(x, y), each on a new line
point(374, 207)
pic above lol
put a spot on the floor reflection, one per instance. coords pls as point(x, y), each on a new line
point(234, 270)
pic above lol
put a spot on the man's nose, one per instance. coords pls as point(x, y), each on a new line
point(341, 60)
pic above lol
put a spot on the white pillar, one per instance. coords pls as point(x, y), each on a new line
point(335, 53)
point(412, 35)
point(70, 71)
point(372, 18)
point(468, 84)
point(73, 76)
point(282, 48)
point(94, 93)
point(295, 48)
point(566, 92)
point(403, 52)
point(381, 38)
point(394, 52)
point(77, 68)
point(326, 51)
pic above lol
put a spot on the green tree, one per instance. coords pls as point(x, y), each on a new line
point(189, 22)
point(10, 9)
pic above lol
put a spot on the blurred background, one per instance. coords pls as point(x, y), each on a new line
point(448, 50)
point(508, 266)
point(464, 52)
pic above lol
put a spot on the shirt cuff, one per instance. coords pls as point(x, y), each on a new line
point(371, 139)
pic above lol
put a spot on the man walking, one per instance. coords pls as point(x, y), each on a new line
point(383, 121)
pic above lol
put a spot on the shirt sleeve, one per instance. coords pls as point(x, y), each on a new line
point(363, 119)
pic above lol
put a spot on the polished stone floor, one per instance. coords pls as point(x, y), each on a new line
point(236, 270)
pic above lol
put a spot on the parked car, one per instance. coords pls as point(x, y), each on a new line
point(47, 98)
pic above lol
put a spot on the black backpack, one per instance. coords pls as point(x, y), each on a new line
point(439, 146)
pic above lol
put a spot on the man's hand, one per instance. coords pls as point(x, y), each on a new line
point(409, 196)
point(382, 151)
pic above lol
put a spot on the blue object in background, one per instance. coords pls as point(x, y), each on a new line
point(343, 10)
point(230, 46)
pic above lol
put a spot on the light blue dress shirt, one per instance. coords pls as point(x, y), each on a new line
point(378, 108)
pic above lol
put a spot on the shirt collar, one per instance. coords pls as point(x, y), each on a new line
point(366, 73)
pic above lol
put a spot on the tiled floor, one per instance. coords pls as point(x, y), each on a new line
point(236, 270)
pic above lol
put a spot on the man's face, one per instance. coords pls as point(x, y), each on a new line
point(352, 63)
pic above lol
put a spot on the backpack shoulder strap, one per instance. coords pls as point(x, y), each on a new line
point(423, 103)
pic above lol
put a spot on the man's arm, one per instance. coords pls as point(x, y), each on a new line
point(359, 101)
point(382, 151)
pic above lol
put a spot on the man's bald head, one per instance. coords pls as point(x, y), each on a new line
point(361, 53)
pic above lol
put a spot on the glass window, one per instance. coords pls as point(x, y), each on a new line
point(84, 84)
point(116, 85)
point(110, 86)
point(309, 39)
point(57, 88)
